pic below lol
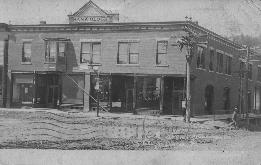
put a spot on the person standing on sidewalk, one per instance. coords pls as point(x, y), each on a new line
point(234, 118)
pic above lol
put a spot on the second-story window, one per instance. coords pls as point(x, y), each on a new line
point(211, 60)
point(228, 64)
point(200, 58)
point(128, 53)
point(242, 69)
point(50, 53)
point(250, 71)
point(90, 52)
point(219, 62)
point(26, 55)
point(161, 57)
point(55, 50)
point(259, 73)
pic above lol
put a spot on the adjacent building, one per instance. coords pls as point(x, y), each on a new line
point(141, 68)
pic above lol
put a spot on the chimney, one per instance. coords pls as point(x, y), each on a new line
point(42, 22)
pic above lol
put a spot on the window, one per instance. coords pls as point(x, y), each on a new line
point(90, 52)
point(128, 53)
point(242, 69)
point(228, 64)
point(259, 73)
point(250, 71)
point(2, 48)
point(26, 55)
point(55, 50)
point(200, 58)
point(219, 62)
point(211, 59)
point(161, 58)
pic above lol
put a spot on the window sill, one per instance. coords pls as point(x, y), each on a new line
point(161, 65)
point(94, 64)
point(26, 63)
point(134, 65)
point(49, 62)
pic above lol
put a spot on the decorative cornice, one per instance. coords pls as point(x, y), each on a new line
point(126, 26)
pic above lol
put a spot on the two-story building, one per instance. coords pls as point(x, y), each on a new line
point(140, 66)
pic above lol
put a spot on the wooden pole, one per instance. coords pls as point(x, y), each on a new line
point(188, 96)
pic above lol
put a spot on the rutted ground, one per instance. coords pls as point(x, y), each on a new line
point(46, 130)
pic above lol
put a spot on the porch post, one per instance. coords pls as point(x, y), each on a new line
point(161, 93)
point(86, 101)
point(134, 92)
point(110, 91)
point(35, 87)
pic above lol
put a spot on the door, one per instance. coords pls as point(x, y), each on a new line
point(129, 100)
point(27, 93)
point(53, 96)
point(209, 98)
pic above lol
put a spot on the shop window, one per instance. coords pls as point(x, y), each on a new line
point(26, 55)
point(219, 62)
point(211, 60)
point(23, 89)
point(228, 64)
point(90, 52)
point(128, 53)
point(148, 92)
point(200, 58)
point(161, 57)
point(53, 50)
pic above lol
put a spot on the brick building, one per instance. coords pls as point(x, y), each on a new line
point(140, 66)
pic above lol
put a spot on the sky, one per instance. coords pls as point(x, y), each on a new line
point(225, 17)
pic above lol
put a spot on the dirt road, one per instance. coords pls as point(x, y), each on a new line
point(47, 130)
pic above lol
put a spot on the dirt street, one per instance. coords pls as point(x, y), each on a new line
point(48, 130)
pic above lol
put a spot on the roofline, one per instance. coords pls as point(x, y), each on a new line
point(193, 24)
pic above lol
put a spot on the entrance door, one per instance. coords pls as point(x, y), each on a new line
point(53, 93)
point(209, 98)
point(26, 93)
point(129, 100)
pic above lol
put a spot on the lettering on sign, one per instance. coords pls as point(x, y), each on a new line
point(90, 19)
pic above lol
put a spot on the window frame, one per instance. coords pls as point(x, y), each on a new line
point(211, 65)
point(91, 53)
point(56, 58)
point(228, 65)
point(129, 53)
point(259, 73)
point(24, 53)
point(201, 64)
point(162, 53)
point(220, 62)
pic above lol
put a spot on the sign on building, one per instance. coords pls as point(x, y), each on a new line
point(91, 13)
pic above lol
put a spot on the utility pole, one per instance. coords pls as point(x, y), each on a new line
point(246, 79)
point(189, 41)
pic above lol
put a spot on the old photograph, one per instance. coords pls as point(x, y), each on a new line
point(130, 82)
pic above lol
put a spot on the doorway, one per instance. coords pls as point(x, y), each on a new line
point(129, 100)
point(53, 93)
point(209, 99)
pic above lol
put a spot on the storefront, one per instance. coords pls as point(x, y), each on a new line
point(38, 89)
point(134, 93)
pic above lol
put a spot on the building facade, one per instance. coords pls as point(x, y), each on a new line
point(140, 67)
